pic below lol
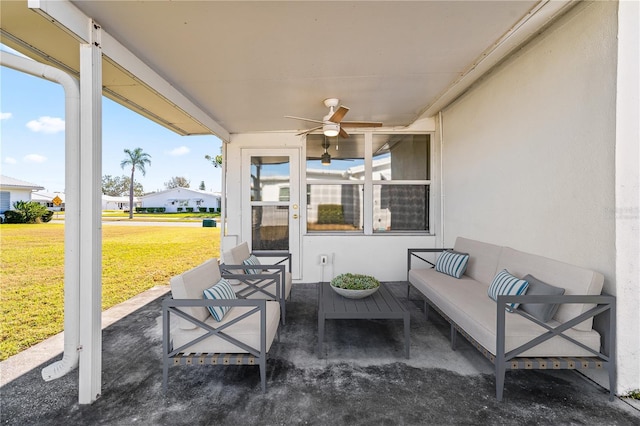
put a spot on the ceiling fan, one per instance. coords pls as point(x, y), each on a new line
point(332, 124)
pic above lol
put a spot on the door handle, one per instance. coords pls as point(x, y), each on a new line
point(295, 216)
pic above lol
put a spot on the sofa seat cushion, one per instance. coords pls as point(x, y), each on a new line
point(466, 303)
point(246, 331)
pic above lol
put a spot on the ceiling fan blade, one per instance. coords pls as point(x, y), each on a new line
point(343, 133)
point(308, 131)
point(339, 114)
point(303, 119)
point(361, 124)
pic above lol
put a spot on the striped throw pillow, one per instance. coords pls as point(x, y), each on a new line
point(505, 284)
point(222, 290)
point(452, 263)
point(251, 260)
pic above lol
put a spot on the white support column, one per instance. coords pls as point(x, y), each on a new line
point(627, 211)
point(90, 371)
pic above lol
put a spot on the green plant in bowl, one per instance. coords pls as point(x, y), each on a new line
point(355, 286)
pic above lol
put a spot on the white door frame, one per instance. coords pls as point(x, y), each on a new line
point(295, 211)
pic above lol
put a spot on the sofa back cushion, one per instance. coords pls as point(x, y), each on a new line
point(575, 280)
point(191, 285)
point(483, 259)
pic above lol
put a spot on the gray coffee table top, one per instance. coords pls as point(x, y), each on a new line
point(380, 305)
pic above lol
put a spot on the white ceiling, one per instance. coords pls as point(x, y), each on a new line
point(247, 64)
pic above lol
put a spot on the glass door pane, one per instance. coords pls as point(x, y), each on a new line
point(270, 196)
point(270, 228)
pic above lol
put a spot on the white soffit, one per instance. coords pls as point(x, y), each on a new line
point(239, 67)
point(126, 80)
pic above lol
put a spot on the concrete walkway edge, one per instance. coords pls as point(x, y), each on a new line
point(47, 350)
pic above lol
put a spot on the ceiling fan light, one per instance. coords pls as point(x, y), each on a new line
point(325, 159)
point(331, 129)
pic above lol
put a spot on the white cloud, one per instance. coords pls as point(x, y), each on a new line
point(10, 160)
point(5, 115)
point(181, 150)
point(47, 124)
point(35, 158)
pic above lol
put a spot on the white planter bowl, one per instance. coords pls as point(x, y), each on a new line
point(355, 294)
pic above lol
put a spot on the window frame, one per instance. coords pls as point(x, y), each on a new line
point(368, 188)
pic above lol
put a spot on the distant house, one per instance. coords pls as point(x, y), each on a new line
point(54, 201)
point(179, 199)
point(109, 202)
point(118, 203)
point(12, 190)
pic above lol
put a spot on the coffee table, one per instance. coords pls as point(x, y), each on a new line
point(380, 305)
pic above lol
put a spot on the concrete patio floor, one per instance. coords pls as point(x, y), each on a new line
point(364, 379)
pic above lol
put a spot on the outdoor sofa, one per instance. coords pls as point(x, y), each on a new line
point(534, 335)
point(243, 335)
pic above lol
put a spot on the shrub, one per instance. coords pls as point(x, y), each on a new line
point(330, 213)
point(212, 209)
point(141, 209)
point(179, 209)
point(30, 211)
point(189, 209)
point(202, 209)
point(12, 216)
point(161, 209)
point(47, 216)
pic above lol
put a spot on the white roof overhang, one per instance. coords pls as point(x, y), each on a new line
point(239, 67)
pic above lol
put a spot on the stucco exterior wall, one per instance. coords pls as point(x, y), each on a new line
point(627, 212)
point(529, 152)
point(383, 256)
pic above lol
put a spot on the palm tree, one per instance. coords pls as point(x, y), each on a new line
point(137, 160)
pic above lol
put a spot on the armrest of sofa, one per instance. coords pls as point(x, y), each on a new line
point(604, 304)
point(415, 254)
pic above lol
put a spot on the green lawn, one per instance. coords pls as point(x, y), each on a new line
point(134, 259)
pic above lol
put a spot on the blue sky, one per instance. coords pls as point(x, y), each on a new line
point(32, 139)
